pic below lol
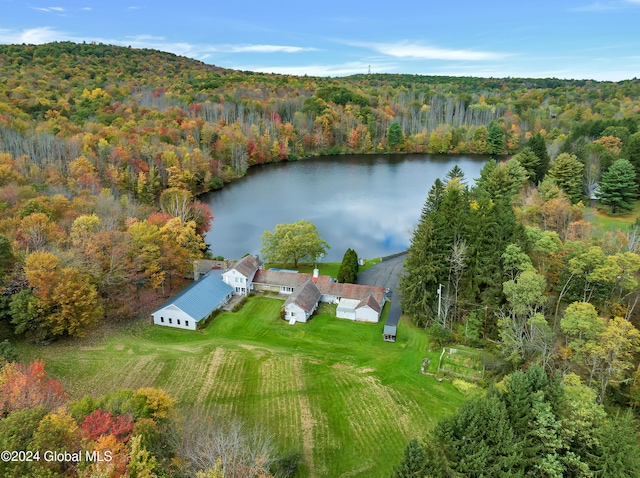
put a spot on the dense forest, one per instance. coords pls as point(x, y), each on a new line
point(104, 151)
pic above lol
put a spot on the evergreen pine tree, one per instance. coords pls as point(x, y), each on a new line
point(414, 464)
point(566, 170)
point(479, 440)
point(529, 161)
point(434, 199)
point(348, 271)
point(455, 173)
point(632, 153)
point(426, 263)
point(538, 145)
point(496, 139)
point(395, 137)
point(618, 188)
point(619, 452)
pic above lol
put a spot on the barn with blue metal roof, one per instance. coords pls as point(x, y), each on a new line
point(194, 303)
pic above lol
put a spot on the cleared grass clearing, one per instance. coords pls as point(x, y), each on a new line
point(331, 388)
point(605, 222)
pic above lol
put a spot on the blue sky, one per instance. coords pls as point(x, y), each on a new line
point(581, 39)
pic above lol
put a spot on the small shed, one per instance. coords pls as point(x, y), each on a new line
point(194, 303)
point(391, 325)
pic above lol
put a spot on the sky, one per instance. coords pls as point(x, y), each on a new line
point(578, 39)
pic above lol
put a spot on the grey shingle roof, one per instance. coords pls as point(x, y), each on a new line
point(306, 296)
point(369, 301)
point(284, 279)
point(248, 265)
point(347, 291)
point(200, 298)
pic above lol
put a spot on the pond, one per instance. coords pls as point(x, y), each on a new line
point(368, 203)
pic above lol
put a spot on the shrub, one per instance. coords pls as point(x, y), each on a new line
point(240, 304)
point(439, 335)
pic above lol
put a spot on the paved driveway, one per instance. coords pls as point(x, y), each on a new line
point(386, 274)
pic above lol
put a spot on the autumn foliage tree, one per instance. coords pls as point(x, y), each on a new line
point(28, 386)
point(66, 302)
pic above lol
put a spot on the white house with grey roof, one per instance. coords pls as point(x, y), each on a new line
point(301, 304)
point(241, 275)
point(194, 303)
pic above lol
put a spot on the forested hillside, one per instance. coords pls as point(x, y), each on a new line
point(104, 151)
point(146, 120)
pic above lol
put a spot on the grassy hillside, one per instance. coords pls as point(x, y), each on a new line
point(329, 388)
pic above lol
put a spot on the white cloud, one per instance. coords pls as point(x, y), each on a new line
point(143, 37)
point(193, 50)
point(606, 6)
point(86, 9)
point(48, 9)
point(424, 52)
point(264, 49)
point(343, 69)
point(32, 36)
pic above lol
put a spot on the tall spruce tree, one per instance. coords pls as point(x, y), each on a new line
point(529, 161)
point(479, 440)
point(618, 188)
point(566, 170)
point(348, 271)
point(632, 153)
point(427, 264)
point(496, 138)
point(414, 464)
point(532, 425)
point(539, 146)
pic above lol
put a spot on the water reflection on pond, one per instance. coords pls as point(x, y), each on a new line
point(368, 203)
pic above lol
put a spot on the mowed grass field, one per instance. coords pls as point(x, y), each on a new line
point(330, 388)
point(605, 222)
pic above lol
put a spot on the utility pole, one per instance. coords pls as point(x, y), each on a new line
point(439, 300)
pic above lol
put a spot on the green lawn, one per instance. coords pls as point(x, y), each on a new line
point(326, 268)
point(605, 222)
point(330, 388)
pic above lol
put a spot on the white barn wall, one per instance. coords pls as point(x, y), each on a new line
point(294, 311)
point(367, 314)
point(175, 314)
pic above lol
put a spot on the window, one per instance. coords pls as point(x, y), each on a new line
point(170, 320)
point(186, 323)
point(161, 319)
point(178, 321)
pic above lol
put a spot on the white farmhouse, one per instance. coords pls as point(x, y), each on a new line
point(194, 303)
point(241, 275)
point(302, 303)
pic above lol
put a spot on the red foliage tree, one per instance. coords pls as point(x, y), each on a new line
point(101, 423)
point(200, 213)
point(28, 386)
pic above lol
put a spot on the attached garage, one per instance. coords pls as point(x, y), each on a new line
point(368, 310)
point(347, 309)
